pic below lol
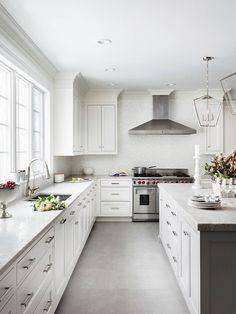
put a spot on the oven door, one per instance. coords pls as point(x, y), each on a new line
point(144, 200)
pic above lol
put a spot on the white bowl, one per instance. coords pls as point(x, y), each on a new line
point(88, 171)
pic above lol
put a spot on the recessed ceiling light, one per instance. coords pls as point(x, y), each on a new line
point(104, 41)
point(110, 69)
point(170, 84)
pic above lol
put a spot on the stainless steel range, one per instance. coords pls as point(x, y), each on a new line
point(146, 192)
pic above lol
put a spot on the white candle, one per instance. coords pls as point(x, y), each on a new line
point(196, 150)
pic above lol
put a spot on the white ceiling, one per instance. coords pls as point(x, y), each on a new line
point(154, 42)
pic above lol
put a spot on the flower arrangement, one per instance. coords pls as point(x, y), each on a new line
point(222, 166)
point(48, 203)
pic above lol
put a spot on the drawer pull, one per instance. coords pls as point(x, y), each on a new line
point(174, 233)
point(186, 233)
point(115, 207)
point(47, 268)
point(63, 221)
point(88, 201)
point(47, 306)
point(72, 212)
point(115, 193)
point(174, 259)
point(3, 293)
point(28, 298)
point(173, 213)
point(31, 261)
point(167, 244)
point(79, 204)
point(168, 206)
point(117, 183)
point(49, 240)
point(84, 198)
point(76, 223)
point(92, 199)
point(168, 223)
point(84, 206)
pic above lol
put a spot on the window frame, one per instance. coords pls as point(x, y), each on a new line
point(12, 119)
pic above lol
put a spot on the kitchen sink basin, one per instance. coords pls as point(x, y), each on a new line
point(62, 197)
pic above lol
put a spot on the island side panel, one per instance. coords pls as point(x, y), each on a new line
point(218, 272)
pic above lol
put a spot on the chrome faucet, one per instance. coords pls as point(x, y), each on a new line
point(29, 191)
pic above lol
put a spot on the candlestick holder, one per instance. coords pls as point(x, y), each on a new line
point(197, 175)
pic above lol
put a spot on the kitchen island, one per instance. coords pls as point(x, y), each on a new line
point(201, 247)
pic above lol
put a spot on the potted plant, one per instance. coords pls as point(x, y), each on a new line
point(222, 170)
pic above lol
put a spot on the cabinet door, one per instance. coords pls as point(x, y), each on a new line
point(76, 236)
point(185, 257)
point(81, 128)
point(94, 129)
point(10, 307)
point(60, 253)
point(69, 241)
point(214, 138)
point(108, 128)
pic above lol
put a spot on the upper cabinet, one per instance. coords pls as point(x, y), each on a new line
point(101, 122)
point(214, 136)
point(68, 114)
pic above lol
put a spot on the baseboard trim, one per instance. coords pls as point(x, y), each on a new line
point(113, 219)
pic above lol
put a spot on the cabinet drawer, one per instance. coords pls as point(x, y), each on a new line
point(31, 290)
point(121, 194)
point(45, 305)
point(29, 261)
point(116, 209)
point(10, 306)
point(6, 286)
point(115, 183)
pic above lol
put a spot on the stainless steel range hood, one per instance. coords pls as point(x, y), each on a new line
point(161, 124)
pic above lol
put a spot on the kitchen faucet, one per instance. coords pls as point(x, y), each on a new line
point(31, 190)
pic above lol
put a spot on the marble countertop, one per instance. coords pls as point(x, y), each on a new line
point(19, 232)
point(223, 219)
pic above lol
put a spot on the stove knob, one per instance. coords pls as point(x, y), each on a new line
point(139, 182)
point(148, 182)
point(134, 182)
point(143, 182)
point(153, 182)
point(157, 182)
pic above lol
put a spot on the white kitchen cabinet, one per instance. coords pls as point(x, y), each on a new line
point(214, 143)
point(9, 307)
point(101, 129)
point(182, 245)
point(69, 240)
point(68, 115)
point(115, 197)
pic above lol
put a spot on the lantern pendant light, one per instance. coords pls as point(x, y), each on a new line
point(207, 108)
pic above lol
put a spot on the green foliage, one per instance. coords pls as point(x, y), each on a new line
point(48, 203)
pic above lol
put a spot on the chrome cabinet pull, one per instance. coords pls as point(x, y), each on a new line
point(168, 223)
point(169, 247)
point(174, 259)
point(186, 233)
point(115, 183)
point(84, 198)
point(47, 306)
point(63, 221)
point(174, 233)
point(115, 207)
point(4, 292)
point(84, 206)
point(88, 201)
point(79, 204)
point(115, 193)
point(173, 213)
point(72, 212)
point(27, 300)
point(168, 206)
point(76, 223)
point(49, 240)
point(31, 261)
point(47, 268)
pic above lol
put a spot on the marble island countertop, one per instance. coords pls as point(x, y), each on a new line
point(223, 219)
point(19, 232)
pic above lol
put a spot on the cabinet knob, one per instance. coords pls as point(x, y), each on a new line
point(63, 221)
point(185, 233)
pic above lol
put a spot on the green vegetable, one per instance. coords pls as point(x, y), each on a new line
point(48, 203)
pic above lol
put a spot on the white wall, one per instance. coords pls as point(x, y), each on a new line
point(62, 165)
point(135, 108)
point(230, 130)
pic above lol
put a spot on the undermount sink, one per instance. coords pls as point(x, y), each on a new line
point(62, 197)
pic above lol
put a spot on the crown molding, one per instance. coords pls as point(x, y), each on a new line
point(16, 43)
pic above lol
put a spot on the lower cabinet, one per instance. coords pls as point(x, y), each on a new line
point(35, 282)
point(182, 246)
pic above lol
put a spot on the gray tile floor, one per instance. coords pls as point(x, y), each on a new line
point(123, 270)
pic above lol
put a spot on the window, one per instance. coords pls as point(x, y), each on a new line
point(21, 122)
